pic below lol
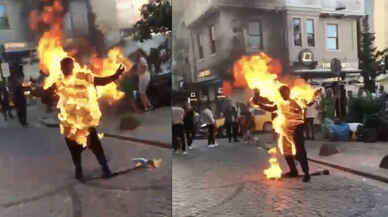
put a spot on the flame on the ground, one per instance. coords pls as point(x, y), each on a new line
point(264, 73)
point(274, 171)
point(79, 108)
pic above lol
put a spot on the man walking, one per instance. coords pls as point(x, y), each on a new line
point(93, 142)
point(292, 111)
point(178, 129)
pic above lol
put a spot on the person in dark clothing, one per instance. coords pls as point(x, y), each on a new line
point(188, 121)
point(6, 109)
point(93, 142)
point(291, 109)
point(20, 102)
point(231, 120)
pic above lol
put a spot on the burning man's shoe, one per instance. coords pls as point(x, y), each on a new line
point(106, 173)
point(306, 178)
point(290, 175)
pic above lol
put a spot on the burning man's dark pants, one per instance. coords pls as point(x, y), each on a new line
point(301, 154)
point(94, 144)
point(178, 134)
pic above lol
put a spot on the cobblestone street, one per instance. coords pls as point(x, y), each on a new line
point(229, 181)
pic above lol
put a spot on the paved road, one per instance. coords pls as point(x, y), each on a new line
point(37, 178)
point(229, 181)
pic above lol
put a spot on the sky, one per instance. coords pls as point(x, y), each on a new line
point(128, 12)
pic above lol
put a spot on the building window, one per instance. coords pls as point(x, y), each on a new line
point(255, 35)
point(212, 39)
point(310, 32)
point(200, 48)
point(332, 36)
point(4, 24)
point(296, 22)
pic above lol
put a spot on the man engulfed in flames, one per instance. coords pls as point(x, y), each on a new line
point(294, 131)
point(76, 94)
point(78, 86)
point(286, 98)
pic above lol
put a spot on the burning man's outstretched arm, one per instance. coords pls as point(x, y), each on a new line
point(106, 80)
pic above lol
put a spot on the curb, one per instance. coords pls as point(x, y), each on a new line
point(356, 172)
point(349, 170)
point(134, 139)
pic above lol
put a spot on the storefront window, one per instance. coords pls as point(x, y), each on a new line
point(297, 32)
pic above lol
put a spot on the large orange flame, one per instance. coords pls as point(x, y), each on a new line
point(264, 73)
point(274, 171)
point(78, 97)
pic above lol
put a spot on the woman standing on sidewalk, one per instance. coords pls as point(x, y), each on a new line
point(144, 79)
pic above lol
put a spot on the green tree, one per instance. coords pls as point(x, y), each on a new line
point(371, 60)
point(156, 18)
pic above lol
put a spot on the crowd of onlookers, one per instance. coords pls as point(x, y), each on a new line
point(239, 118)
point(238, 122)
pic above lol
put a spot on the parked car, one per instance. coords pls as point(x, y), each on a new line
point(263, 122)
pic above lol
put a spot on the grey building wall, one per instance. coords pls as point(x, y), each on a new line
point(18, 21)
point(347, 39)
point(225, 20)
point(277, 29)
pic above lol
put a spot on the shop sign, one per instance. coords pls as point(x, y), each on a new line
point(306, 57)
point(204, 74)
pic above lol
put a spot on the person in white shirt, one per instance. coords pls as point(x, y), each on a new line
point(178, 129)
point(207, 118)
point(311, 114)
point(144, 79)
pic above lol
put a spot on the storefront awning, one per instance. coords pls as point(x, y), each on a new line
point(322, 73)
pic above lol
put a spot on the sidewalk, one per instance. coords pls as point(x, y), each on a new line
point(155, 125)
point(359, 156)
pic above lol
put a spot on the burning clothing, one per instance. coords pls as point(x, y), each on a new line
point(301, 154)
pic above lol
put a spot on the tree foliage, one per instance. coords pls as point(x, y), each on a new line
point(156, 18)
point(371, 60)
